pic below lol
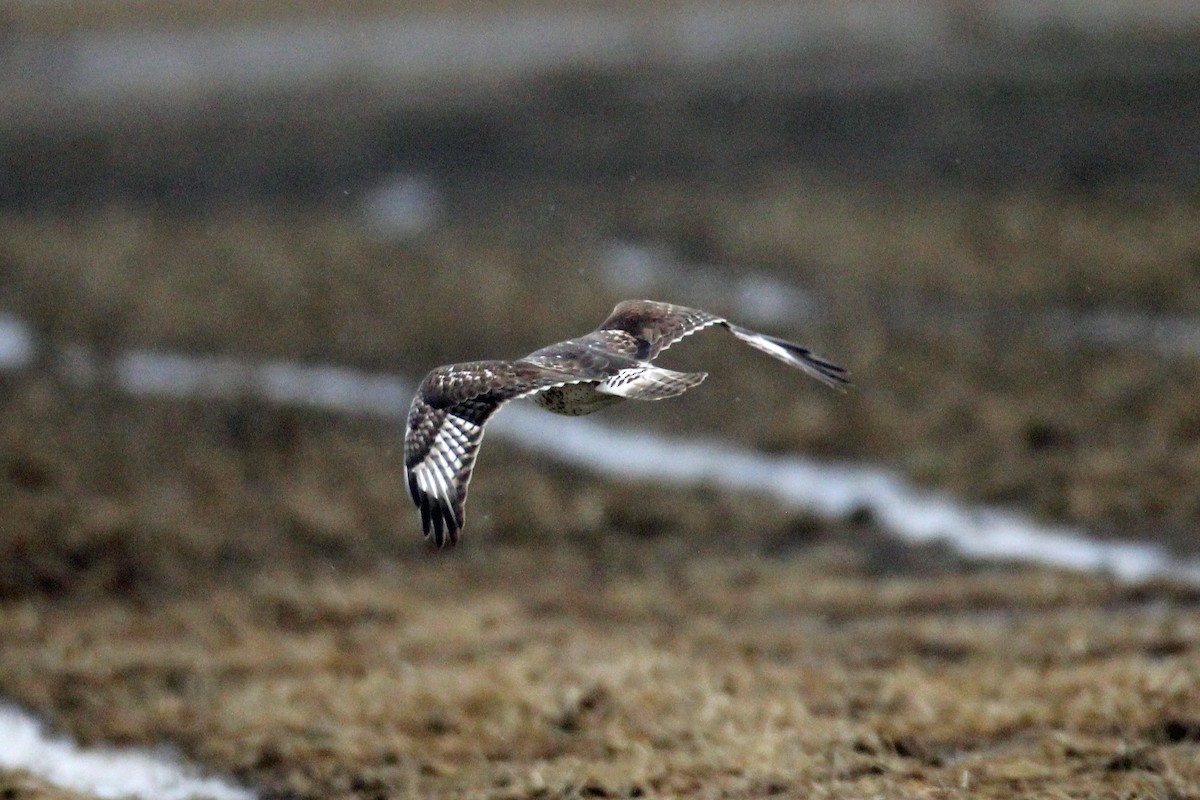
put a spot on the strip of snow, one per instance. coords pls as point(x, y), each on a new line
point(837, 490)
point(103, 772)
point(16, 343)
point(415, 50)
point(1172, 335)
point(325, 387)
point(401, 207)
point(831, 490)
point(751, 297)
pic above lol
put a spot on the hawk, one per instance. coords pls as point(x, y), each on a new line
point(575, 377)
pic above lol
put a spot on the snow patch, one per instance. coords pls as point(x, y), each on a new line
point(837, 490)
point(16, 343)
point(102, 771)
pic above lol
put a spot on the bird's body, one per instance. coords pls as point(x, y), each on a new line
point(574, 399)
point(575, 377)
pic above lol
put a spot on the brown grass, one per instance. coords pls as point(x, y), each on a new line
point(519, 673)
point(20, 785)
point(247, 583)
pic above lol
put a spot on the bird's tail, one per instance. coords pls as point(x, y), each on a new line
point(650, 383)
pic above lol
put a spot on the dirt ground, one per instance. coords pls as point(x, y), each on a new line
point(247, 583)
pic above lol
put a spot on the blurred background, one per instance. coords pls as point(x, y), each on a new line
point(987, 211)
point(234, 234)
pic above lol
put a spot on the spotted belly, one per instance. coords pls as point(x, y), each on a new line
point(574, 399)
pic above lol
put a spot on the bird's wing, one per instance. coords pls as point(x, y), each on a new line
point(648, 382)
point(794, 355)
point(445, 428)
point(656, 326)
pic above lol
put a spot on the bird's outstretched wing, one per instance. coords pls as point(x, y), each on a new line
point(656, 326)
point(445, 428)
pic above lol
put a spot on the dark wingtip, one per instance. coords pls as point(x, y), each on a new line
point(452, 525)
point(830, 374)
point(412, 488)
point(439, 532)
point(791, 353)
point(426, 515)
point(441, 520)
point(838, 377)
point(459, 515)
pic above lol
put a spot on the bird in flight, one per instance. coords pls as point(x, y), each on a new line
point(575, 377)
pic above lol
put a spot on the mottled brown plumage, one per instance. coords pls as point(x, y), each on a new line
point(575, 377)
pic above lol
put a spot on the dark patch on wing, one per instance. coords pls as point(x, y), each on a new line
point(594, 356)
point(656, 326)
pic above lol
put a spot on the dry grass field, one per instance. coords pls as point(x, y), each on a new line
point(547, 672)
point(244, 584)
point(247, 584)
